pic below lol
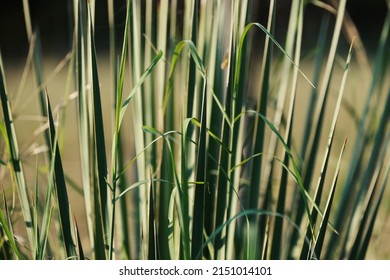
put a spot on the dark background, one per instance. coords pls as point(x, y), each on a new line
point(52, 18)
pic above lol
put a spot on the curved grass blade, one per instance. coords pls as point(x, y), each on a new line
point(262, 28)
point(147, 72)
point(247, 213)
point(295, 169)
point(176, 54)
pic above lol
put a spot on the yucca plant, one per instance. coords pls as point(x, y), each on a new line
point(210, 146)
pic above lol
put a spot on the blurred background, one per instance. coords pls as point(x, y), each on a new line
point(54, 19)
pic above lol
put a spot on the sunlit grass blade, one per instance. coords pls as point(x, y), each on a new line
point(323, 171)
point(193, 25)
point(36, 212)
point(352, 179)
point(81, 50)
point(176, 55)
point(16, 164)
point(277, 241)
point(142, 79)
point(61, 189)
point(117, 110)
point(317, 121)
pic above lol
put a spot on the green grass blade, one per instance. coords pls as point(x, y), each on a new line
point(147, 72)
point(323, 171)
point(6, 226)
point(361, 140)
point(278, 225)
point(368, 236)
point(16, 163)
point(34, 38)
point(61, 189)
point(248, 213)
point(176, 54)
point(198, 219)
point(319, 113)
point(118, 105)
point(152, 238)
point(101, 199)
point(81, 49)
point(364, 222)
point(295, 170)
point(325, 220)
point(379, 144)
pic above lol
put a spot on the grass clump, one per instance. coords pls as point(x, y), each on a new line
point(211, 151)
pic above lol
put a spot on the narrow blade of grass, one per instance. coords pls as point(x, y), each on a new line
point(81, 50)
point(152, 234)
point(61, 189)
point(325, 220)
point(101, 200)
point(362, 234)
point(198, 219)
point(16, 163)
point(370, 229)
point(361, 139)
point(319, 113)
point(321, 180)
point(6, 226)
